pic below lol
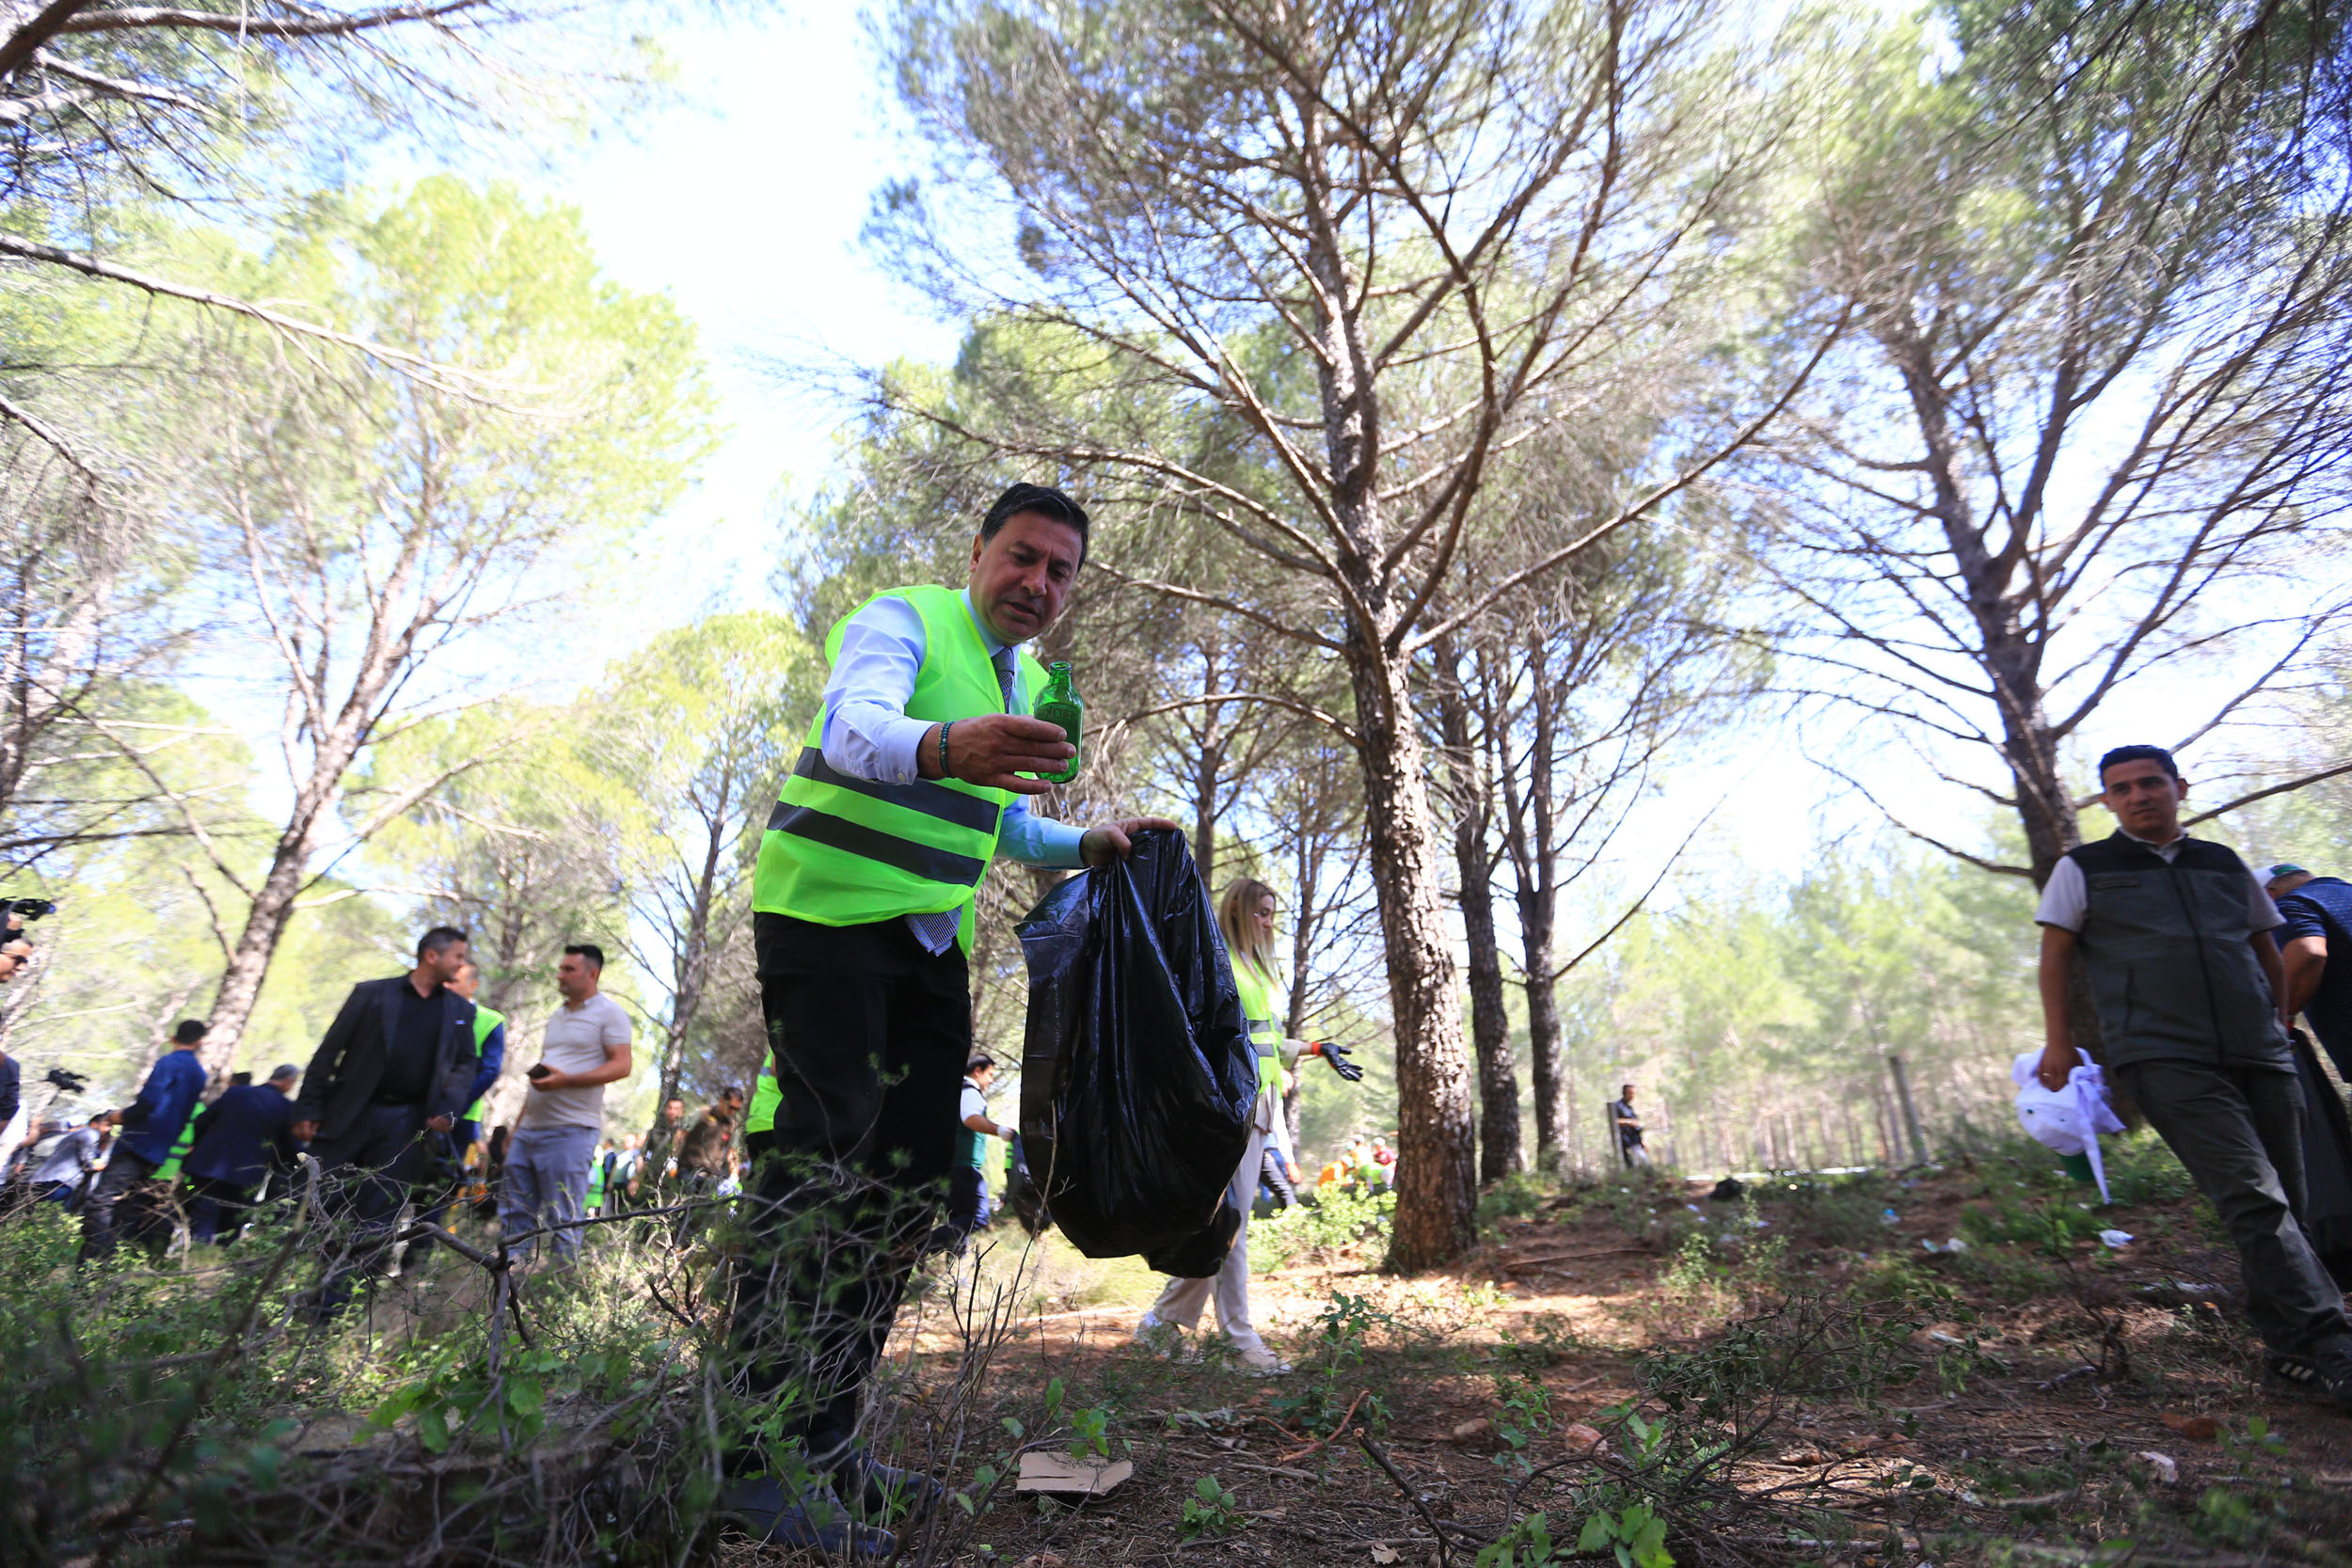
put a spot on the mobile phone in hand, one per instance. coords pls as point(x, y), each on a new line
point(539, 1070)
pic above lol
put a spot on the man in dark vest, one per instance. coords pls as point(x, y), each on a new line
point(390, 1080)
point(2174, 935)
point(912, 777)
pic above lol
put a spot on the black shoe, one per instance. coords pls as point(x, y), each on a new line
point(882, 1490)
point(2324, 1376)
point(770, 1511)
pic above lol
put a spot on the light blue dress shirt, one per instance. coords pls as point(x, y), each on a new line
point(868, 734)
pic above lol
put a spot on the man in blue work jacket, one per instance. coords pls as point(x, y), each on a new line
point(152, 1125)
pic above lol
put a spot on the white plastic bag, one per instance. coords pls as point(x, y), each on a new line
point(2069, 1119)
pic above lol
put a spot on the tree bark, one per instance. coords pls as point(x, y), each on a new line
point(248, 961)
point(1499, 1145)
point(1436, 1173)
point(1543, 1029)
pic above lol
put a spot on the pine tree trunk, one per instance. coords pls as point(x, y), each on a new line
point(1500, 1153)
point(249, 960)
point(1437, 1172)
point(1543, 1032)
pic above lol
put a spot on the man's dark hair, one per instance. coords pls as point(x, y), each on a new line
point(589, 951)
point(189, 1031)
point(731, 1092)
point(676, 1099)
point(239, 1080)
point(438, 939)
point(1045, 501)
point(979, 1064)
point(1622, 1087)
point(2138, 753)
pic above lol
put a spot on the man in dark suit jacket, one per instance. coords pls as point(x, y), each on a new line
point(388, 1082)
point(238, 1138)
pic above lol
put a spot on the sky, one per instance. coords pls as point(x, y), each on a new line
point(742, 199)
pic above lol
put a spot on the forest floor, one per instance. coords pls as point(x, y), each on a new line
point(1942, 1368)
point(1810, 1373)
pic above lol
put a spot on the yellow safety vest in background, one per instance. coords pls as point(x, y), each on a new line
point(484, 1019)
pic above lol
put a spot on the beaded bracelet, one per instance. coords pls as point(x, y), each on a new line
point(942, 747)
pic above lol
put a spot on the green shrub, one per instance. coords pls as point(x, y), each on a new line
point(1339, 1217)
point(1516, 1197)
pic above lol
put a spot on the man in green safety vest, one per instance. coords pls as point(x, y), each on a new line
point(489, 1043)
point(912, 777)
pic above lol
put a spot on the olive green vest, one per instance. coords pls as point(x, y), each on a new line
point(971, 1144)
point(2167, 951)
point(846, 851)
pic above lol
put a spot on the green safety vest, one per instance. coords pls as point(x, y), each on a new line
point(767, 1093)
point(595, 1181)
point(1257, 1010)
point(845, 852)
point(170, 1169)
point(484, 1019)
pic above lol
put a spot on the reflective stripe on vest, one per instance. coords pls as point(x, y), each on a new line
point(170, 1169)
point(1256, 988)
point(845, 852)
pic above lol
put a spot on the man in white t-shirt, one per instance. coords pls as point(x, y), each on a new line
point(585, 1047)
point(967, 1180)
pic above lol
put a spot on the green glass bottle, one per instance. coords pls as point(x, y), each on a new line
point(1060, 704)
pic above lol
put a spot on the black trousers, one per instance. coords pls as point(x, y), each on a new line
point(1276, 1181)
point(217, 1209)
point(123, 1167)
point(365, 1175)
point(2240, 1135)
point(870, 1035)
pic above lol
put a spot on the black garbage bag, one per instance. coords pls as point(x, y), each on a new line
point(1201, 1255)
point(1137, 1079)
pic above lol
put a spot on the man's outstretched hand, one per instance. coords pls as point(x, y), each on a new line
point(1114, 840)
point(996, 750)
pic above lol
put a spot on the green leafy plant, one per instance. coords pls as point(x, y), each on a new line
point(1522, 1414)
point(1089, 1433)
point(1636, 1535)
point(1526, 1544)
point(1319, 1403)
point(1212, 1512)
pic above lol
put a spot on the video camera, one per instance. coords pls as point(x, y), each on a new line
point(67, 1082)
point(31, 908)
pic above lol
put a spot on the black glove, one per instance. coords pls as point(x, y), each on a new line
point(1336, 1054)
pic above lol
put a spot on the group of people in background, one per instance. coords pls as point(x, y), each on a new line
point(390, 1107)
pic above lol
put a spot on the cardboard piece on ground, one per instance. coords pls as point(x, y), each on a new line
point(1055, 1472)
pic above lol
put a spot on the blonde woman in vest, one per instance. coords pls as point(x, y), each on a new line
point(1246, 916)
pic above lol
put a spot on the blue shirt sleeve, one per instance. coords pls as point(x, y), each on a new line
point(493, 1058)
point(1032, 840)
point(868, 734)
point(2303, 919)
